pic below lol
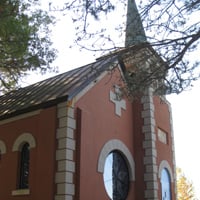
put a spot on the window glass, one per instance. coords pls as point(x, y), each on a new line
point(165, 185)
point(24, 167)
point(116, 176)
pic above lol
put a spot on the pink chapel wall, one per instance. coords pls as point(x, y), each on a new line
point(165, 151)
point(99, 124)
point(42, 157)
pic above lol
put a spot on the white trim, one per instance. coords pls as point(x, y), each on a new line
point(20, 192)
point(165, 165)
point(112, 145)
point(18, 117)
point(98, 79)
point(25, 137)
point(118, 101)
point(2, 147)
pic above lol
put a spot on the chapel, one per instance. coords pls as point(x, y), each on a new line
point(75, 136)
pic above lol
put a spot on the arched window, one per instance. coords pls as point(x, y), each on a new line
point(165, 185)
point(24, 167)
point(2, 148)
point(118, 168)
point(116, 176)
point(116, 145)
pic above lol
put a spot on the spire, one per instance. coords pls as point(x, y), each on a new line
point(134, 29)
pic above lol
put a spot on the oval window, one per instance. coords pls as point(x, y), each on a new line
point(116, 176)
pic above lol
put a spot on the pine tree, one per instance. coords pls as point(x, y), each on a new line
point(24, 41)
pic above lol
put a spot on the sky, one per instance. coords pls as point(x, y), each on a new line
point(185, 106)
point(186, 123)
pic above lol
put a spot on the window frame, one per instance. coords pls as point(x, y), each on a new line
point(118, 174)
point(24, 167)
point(164, 165)
point(17, 146)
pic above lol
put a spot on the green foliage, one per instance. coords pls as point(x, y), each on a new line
point(25, 44)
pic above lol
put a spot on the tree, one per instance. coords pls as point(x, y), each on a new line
point(185, 189)
point(25, 43)
point(172, 28)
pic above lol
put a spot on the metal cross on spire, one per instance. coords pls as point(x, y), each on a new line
point(135, 33)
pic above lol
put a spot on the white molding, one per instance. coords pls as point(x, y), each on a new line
point(165, 165)
point(110, 146)
point(2, 147)
point(18, 117)
point(97, 80)
point(116, 98)
point(20, 192)
point(25, 137)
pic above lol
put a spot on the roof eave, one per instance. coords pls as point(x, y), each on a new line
point(42, 105)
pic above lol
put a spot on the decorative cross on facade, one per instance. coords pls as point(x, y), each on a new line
point(120, 103)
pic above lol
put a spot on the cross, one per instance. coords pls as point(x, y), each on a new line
point(115, 97)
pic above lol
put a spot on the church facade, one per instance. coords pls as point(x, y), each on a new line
point(75, 136)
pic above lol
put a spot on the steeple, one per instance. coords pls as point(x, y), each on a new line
point(134, 29)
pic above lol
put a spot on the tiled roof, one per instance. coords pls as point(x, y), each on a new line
point(53, 90)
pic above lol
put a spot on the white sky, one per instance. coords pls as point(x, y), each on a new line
point(185, 107)
point(186, 110)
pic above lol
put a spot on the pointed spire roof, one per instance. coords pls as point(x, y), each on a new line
point(135, 33)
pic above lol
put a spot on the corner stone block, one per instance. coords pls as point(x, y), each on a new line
point(64, 143)
point(65, 111)
point(65, 189)
point(152, 185)
point(147, 99)
point(63, 197)
point(70, 133)
point(151, 194)
point(66, 165)
point(151, 152)
point(70, 112)
point(150, 136)
point(64, 154)
point(67, 121)
point(150, 177)
point(64, 177)
point(61, 133)
point(149, 160)
point(148, 128)
point(71, 123)
point(149, 144)
point(62, 112)
point(148, 106)
point(147, 113)
point(151, 168)
point(70, 144)
point(149, 120)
